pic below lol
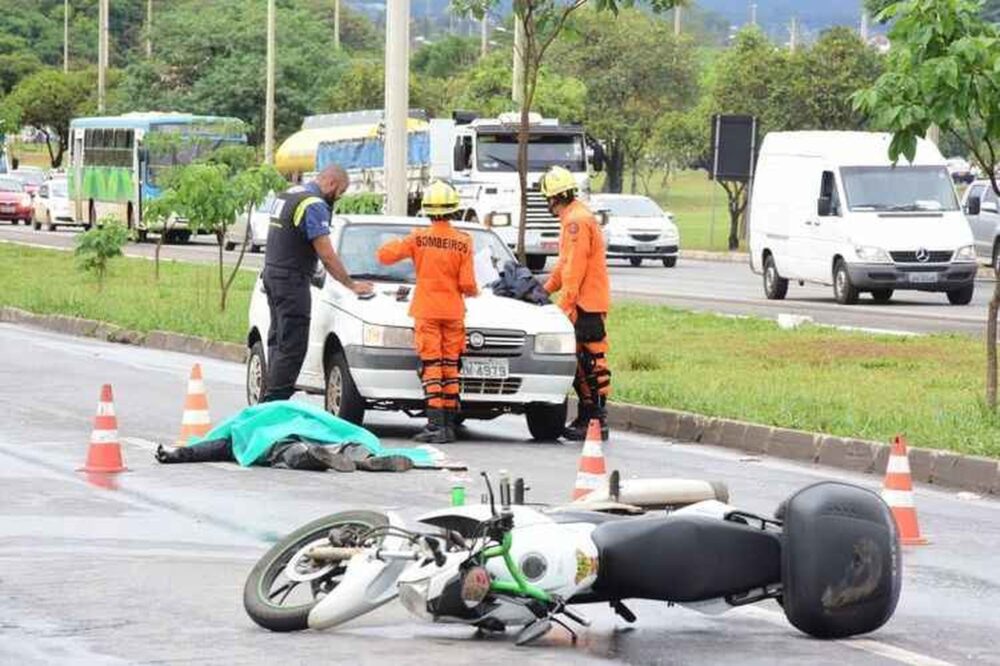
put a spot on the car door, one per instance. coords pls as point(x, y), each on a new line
point(983, 239)
point(802, 214)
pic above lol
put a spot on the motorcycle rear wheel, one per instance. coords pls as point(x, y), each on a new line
point(264, 599)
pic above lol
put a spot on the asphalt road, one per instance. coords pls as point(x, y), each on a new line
point(152, 571)
point(693, 285)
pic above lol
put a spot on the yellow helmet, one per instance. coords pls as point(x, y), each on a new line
point(439, 198)
point(556, 181)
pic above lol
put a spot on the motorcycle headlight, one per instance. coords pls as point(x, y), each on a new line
point(387, 336)
point(413, 596)
point(874, 255)
point(555, 343)
point(966, 253)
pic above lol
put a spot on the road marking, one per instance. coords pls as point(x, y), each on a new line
point(868, 645)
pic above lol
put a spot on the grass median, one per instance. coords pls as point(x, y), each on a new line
point(816, 379)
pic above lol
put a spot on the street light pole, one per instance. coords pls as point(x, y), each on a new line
point(269, 95)
point(102, 53)
point(484, 37)
point(149, 28)
point(65, 35)
point(336, 24)
point(677, 20)
point(397, 80)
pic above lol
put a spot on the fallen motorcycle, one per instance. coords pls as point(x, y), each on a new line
point(830, 557)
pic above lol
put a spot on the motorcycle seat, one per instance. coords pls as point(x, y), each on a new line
point(683, 558)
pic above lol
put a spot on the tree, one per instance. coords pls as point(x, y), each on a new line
point(942, 70)
point(990, 11)
point(540, 22)
point(635, 70)
point(48, 100)
point(98, 246)
point(445, 57)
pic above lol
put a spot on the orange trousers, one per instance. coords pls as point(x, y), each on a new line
point(440, 343)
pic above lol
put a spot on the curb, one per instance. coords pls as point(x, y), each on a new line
point(90, 328)
point(721, 257)
point(939, 468)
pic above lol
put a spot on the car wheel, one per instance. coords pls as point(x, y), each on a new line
point(36, 225)
point(141, 235)
point(49, 225)
point(843, 290)
point(961, 296)
point(256, 374)
point(230, 246)
point(536, 262)
point(546, 422)
point(254, 249)
point(635, 261)
point(669, 262)
point(775, 286)
point(996, 256)
point(341, 397)
point(882, 295)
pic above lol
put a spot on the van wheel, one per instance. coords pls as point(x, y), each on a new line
point(843, 290)
point(546, 422)
point(775, 286)
point(961, 296)
point(341, 397)
point(882, 295)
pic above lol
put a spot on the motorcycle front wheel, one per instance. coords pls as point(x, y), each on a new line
point(286, 583)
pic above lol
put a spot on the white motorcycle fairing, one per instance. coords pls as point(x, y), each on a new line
point(367, 584)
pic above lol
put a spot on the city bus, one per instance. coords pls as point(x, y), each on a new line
point(116, 162)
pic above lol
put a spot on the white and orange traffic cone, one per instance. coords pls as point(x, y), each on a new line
point(105, 452)
point(898, 494)
point(195, 422)
point(592, 472)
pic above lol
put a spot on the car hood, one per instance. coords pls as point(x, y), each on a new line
point(11, 197)
point(486, 311)
point(625, 225)
point(911, 232)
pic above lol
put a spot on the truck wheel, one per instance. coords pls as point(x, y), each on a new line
point(546, 422)
point(775, 286)
point(961, 296)
point(536, 262)
point(341, 397)
point(882, 295)
point(635, 261)
point(843, 290)
point(256, 374)
point(669, 262)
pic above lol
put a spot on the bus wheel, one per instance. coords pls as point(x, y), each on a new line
point(141, 235)
point(91, 216)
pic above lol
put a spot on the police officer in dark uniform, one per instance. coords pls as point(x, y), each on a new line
point(299, 235)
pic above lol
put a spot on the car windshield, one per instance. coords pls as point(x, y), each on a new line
point(29, 177)
point(498, 152)
point(359, 244)
point(11, 185)
point(921, 188)
point(627, 206)
point(58, 188)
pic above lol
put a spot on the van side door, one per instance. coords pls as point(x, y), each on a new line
point(980, 223)
point(827, 227)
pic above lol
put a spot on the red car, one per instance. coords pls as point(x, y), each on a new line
point(32, 179)
point(15, 202)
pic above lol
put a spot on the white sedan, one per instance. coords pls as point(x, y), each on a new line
point(52, 206)
point(258, 223)
point(637, 229)
point(520, 357)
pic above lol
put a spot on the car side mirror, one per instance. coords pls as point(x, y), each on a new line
point(497, 220)
point(824, 206)
point(973, 206)
point(318, 278)
point(603, 218)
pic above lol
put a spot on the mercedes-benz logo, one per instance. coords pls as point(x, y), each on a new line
point(477, 340)
point(923, 255)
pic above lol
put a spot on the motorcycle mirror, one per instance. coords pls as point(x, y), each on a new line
point(489, 489)
point(533, 631)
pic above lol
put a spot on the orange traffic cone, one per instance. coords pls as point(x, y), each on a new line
point(592, 473)
point(105, 452)
point(195, 422)
point(898, 494)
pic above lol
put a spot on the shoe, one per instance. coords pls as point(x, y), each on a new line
point(178, 455)
point(449, 427)
point(385, 464)
point(435, 431)
point(576, 431)
point(331, 459)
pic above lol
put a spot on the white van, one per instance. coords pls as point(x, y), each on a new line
point(830, 207)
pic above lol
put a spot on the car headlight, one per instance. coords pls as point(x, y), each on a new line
point(555, 343)
point(387, 336)
point(966, 253)
point(874, 255)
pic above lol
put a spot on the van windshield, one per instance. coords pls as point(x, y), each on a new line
point(921, 188)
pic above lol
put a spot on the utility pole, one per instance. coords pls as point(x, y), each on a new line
point(336, 24)
point(65, 35)
point(677, 21)
point(102, 52)
point(149, 28)
point(397, 83)
point(753, 13)
point(269, 94)
point(864, 25)
point(793, 32)
point(518, 76)
point(484, 37)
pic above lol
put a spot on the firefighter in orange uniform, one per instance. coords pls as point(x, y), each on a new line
point(443, 257)
point(581, 275)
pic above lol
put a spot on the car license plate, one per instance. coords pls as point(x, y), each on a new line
point(645, 248)
point(923, 278)
point(550, 245)
point(7, 208)
point(485, 368)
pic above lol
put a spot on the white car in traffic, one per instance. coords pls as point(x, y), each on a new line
point(52, 206)
point(257, 221)
point(520, 357)
point(637, 229)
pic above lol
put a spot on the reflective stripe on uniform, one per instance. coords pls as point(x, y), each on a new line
point(301, 210)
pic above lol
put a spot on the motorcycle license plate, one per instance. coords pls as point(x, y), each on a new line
point(645, 248)
point(485, 368)
point(923, 278)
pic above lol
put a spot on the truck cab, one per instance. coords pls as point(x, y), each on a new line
point(479, 157)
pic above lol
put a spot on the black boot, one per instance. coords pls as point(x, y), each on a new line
point(576, 431)
point(449, 426)
point(435, 431)
point(181, 454)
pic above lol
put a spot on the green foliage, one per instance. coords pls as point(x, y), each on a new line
point(990, 9)
point(96, 247)
point(365, 203)
point(445, 57)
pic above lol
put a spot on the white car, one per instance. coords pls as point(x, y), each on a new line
point(637, 229)
point(52, 205)
point(520, 357)
point(259, 221)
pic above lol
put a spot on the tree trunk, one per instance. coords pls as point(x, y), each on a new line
point(635, 175)
point(221, 238)
point(239, 260)
point(991, 347)
point(615, 165)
